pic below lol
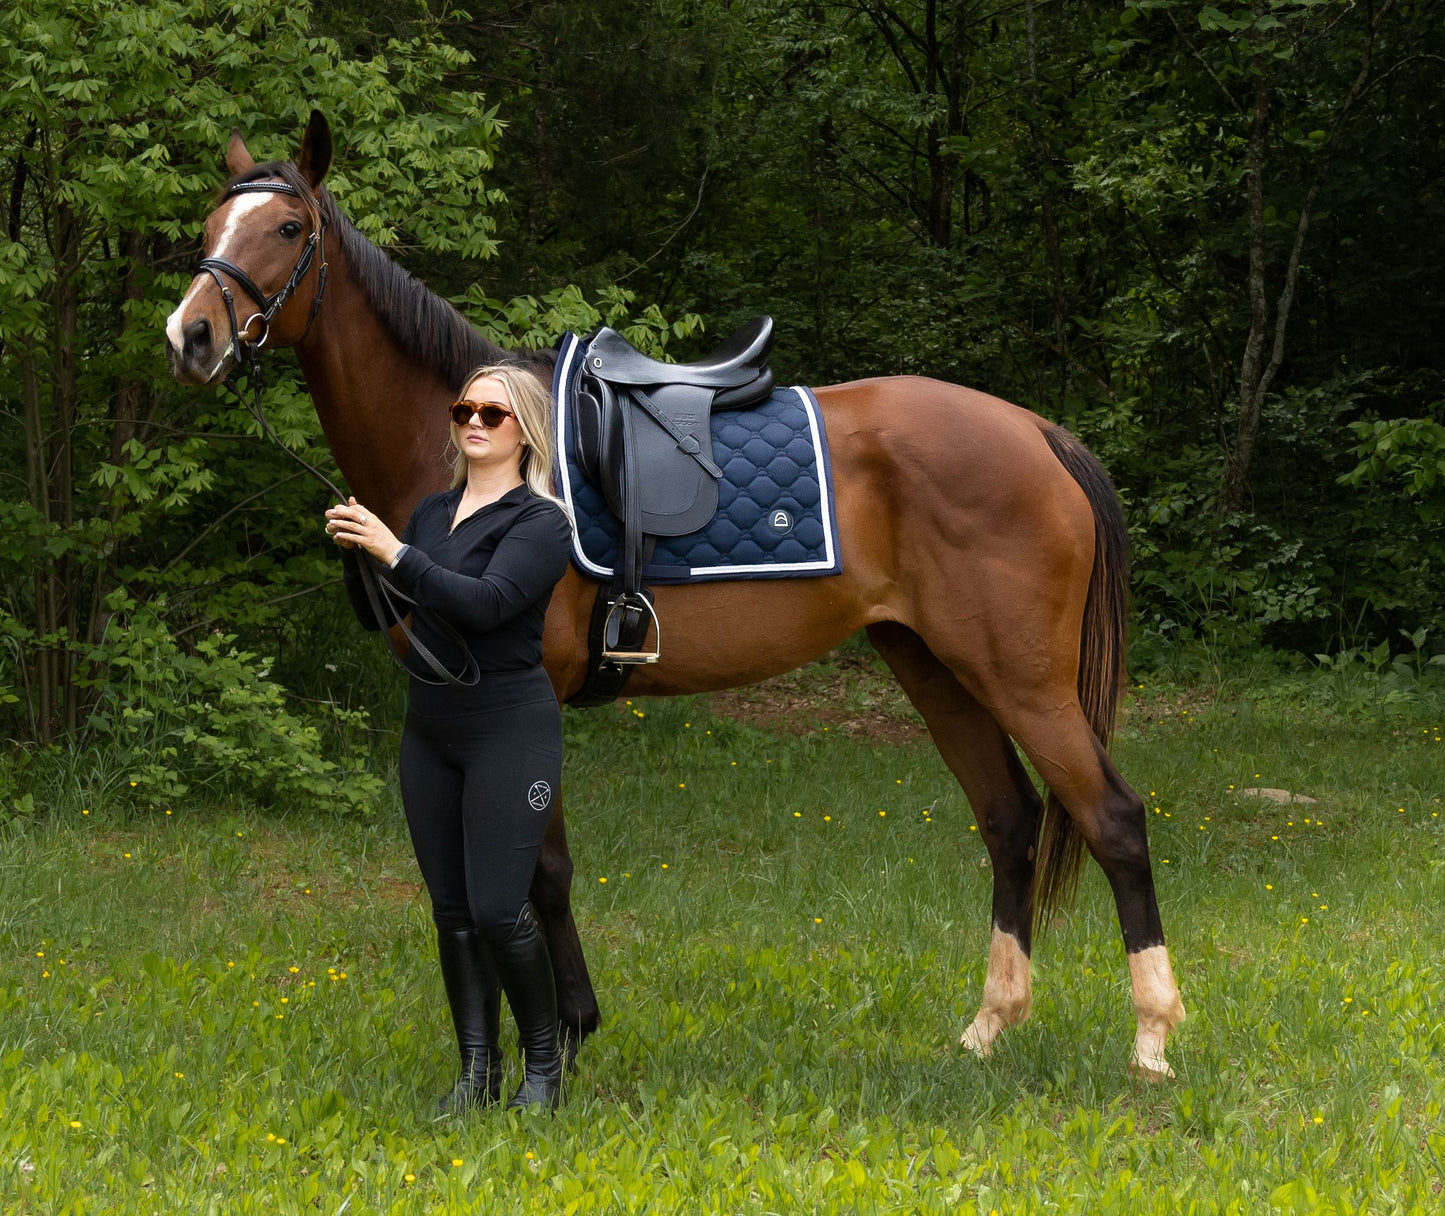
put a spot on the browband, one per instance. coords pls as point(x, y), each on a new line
point(271, 185)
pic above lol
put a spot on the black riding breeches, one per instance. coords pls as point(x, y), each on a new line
point(478, 790)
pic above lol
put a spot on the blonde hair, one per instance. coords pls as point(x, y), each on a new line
point(531, 402)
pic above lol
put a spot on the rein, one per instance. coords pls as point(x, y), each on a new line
point(383, 596)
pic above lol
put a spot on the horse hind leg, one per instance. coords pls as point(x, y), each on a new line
point(1006, 806)
point(1110, 818)
point(551, 895)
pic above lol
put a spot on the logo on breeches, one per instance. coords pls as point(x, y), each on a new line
point(539, 795)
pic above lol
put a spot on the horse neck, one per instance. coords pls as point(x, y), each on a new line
point(382, 410)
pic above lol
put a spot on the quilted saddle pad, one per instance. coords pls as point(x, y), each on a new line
point(775, 516)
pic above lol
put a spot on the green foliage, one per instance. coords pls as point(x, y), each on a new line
point(171, 723)
point(133, 491)
point(1407, 451)
point(530, 322)
point(174, 722)
point(1050, 204)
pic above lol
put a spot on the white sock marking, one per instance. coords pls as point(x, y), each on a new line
point(1006, 993)
point(1159, 1010)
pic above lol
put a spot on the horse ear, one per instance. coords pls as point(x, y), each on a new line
point(238, 158)
point(315, 155)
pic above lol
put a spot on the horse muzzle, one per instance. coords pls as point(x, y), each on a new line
point(202, 357)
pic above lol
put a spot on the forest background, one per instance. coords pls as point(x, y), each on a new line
point(1207, 239)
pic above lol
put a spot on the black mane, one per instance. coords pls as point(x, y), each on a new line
point(428, 328)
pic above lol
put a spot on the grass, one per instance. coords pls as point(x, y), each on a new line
point(222, 1010)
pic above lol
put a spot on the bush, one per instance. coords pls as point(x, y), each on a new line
point(170, 722)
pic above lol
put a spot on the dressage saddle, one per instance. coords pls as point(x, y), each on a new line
point(643, 439)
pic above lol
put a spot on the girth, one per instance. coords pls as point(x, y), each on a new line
point(643, 438)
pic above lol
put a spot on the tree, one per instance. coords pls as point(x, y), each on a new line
point(151, 526)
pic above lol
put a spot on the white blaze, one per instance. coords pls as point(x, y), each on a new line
point(240, 207)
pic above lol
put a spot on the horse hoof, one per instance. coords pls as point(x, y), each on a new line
point(974, 1041)
point(1150, 1068)
point(569, 1042)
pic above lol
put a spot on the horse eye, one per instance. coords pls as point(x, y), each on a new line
point(290, 230)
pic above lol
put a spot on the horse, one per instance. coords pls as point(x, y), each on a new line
point(984, 553)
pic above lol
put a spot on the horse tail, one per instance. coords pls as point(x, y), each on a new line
point(1101, 663)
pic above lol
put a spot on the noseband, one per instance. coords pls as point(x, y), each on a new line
point(269, 306)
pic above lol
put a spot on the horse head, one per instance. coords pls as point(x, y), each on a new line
point(262, 275)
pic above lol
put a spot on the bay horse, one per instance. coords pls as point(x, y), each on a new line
point(984, 552)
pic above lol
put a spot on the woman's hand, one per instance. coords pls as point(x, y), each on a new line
point(352, 525)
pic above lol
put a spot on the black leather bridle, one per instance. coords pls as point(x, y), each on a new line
point(379, 591)
point(269, 306)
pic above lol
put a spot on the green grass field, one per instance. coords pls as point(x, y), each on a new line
point(207, 1009)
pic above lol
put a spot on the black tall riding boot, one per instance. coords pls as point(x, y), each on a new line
point(525, 970)
point(476, 1000)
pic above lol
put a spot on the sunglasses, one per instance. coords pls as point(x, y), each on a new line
point(491, 414)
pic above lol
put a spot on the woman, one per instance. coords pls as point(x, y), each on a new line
point(481, 763)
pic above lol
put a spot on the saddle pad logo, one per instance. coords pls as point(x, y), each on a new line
point(780, 521)
point(539, 795)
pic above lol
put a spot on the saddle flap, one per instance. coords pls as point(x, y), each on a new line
point(678, 494)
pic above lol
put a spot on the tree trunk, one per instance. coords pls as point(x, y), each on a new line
point(41, 671)
point(1255, 380)
point(1048, 217)
point(940, 159)
point(125, 410)
point(1247, 428)
point(62, 490)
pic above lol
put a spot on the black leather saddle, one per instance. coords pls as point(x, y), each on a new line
point(643, 438)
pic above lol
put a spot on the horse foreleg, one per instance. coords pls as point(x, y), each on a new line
point(552, 898)
point(1006, 806)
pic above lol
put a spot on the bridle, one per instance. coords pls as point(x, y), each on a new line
point(378, 589)
point(269, 306)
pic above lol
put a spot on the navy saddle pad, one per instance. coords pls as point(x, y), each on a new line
point(775, 516)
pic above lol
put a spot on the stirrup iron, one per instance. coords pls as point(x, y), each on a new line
point(612, 628)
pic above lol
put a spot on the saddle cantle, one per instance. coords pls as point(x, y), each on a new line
point(643, 438)
point(742, 358)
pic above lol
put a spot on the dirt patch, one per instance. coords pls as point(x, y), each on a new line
point(396, 889)
point(850, 692)
point(1142, 707)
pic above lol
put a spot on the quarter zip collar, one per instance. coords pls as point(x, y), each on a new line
point(512, 497)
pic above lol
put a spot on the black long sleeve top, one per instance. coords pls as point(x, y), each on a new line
point(490, 578)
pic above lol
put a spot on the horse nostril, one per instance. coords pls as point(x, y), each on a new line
point(198, 338)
